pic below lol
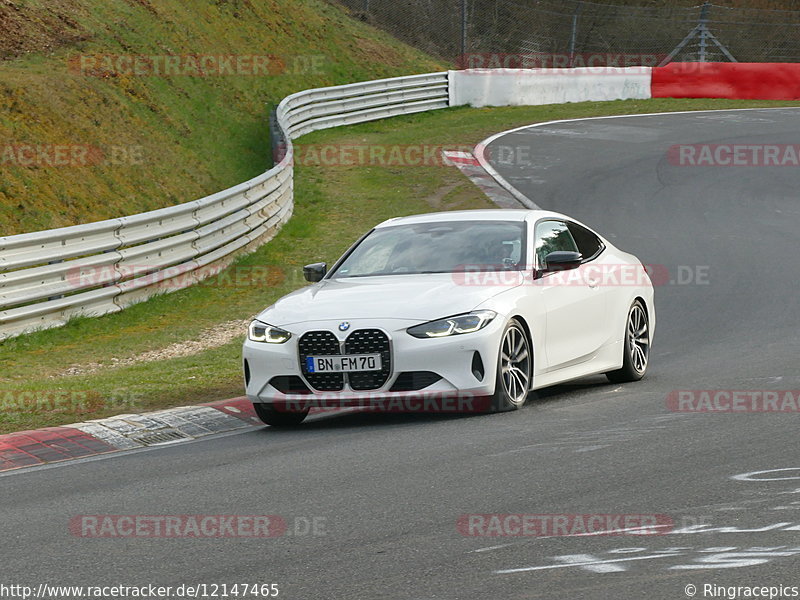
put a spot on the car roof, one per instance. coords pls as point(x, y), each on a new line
point(492, 214)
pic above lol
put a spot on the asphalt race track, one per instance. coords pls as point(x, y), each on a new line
point(386, 491)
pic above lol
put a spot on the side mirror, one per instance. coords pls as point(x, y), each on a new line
point(315, 272)
point(562, 261)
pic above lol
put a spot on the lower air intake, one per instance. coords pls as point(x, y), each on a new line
point(412, 381)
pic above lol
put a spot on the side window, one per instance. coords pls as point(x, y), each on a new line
point(589, 245)
point(552, 236)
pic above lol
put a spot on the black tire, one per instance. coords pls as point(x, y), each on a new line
point(269, 415)
point(514, 369)
point(636, 346)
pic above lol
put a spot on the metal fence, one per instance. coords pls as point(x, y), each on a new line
point(472, 33)
point(46, 277)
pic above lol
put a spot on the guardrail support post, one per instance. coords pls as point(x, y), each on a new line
point(275, 137)
point(464, 23)
point(703, 33)
point(574, 35)
point(55, 262)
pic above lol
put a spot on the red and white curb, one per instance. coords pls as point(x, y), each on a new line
point(123, 432)
point(484, 179)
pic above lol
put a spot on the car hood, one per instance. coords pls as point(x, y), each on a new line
point(413, 297)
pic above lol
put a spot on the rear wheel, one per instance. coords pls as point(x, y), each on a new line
point(514, 369)
point(279, 418)
point(636, 351)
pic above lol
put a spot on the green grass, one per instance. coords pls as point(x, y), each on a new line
point(334, 205)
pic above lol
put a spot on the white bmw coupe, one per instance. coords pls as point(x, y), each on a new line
point(482, 304)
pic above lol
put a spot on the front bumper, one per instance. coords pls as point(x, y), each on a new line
point(451, 358)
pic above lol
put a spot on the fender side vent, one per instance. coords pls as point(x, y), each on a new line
point(477, 366)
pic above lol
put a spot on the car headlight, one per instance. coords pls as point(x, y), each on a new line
point(261, 332)
point(453, 325)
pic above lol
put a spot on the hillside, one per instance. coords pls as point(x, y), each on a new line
point(112, 107)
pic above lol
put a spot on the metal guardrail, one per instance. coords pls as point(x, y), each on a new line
point(47, 277)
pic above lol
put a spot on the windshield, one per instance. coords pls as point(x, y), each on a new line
point(440, 247)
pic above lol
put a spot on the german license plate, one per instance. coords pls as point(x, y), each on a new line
point(343, 364)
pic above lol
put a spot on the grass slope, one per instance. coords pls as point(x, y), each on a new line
point(155, 140)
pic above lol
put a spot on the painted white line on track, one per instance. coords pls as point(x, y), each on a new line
point(751, 476)
point(480, 149)
point(613, 531)
point(587, 561)
point(584, 564)
point(490, 548)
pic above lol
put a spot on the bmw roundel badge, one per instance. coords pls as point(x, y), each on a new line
point(344, 326)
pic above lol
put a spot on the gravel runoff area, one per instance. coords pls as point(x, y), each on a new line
point(213, 337)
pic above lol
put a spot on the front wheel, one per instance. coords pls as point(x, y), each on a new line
point(269, 415)
point(514, 369)
point(636, 351)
